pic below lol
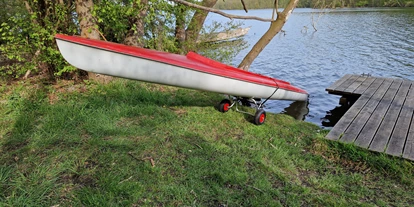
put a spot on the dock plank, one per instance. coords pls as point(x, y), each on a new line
point(356, 84)
point(364, 86)
point(396, 144)
point(409, 144)
point(384, 132)
point(346, 84)
point(338, 82)
point(361, 119)
point(368, 132)
point(339, 128)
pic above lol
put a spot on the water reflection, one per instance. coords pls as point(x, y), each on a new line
point(333, 116)
point(297, 110)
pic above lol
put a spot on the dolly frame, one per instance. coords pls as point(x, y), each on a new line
point(235, 101)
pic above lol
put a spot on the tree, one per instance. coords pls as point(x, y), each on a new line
point(274, 29)
point(27, 36)
point(187, 34)
point(9, 7)
point(197, 21)
point(180, 36)
point(135, 36)
point(89, 29)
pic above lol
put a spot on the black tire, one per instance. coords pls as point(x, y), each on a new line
point(224, 105)
point(260, 117)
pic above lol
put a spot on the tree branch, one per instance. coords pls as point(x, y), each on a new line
point(244, 6)
point(30, 10)
point(275, 28)
point(275, 9)
point(230, 16)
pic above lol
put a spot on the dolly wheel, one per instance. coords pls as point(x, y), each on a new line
point(260, 117)
point(224, 105)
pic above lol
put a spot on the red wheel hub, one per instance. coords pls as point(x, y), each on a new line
point(262, 118)
point(226, 106)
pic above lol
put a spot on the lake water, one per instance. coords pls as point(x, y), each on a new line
point(379, 42)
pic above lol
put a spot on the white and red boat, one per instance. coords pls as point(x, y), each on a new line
point(190, 71)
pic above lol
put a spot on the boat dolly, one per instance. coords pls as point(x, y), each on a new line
point(234, 101)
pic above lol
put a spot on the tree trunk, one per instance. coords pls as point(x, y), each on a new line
point(135, 35)
point(44, 67)
point(89, 30)
point(273, 30)
point(180, 28)
point(197, 22)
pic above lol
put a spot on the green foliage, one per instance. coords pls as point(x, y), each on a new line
point(66, 69)
point(115, 18)
point(29, 40)
point(362, 4)
point(222, 51)
point(160, 26)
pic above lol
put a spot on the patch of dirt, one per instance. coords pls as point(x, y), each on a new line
point(53, 98)
point(321, 148)
point(80, 180)
point(355, 166)
point(54, 89)
point(304, 175)
point(179, 111)
point(15, 145)
point(65, 87)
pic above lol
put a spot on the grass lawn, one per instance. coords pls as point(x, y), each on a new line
point(136, 144)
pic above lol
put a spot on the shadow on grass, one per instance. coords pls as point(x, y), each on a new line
point(153, 145)
point(124, 108)
point(88, 134)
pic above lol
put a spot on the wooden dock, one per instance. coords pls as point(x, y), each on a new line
point(381, 119)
